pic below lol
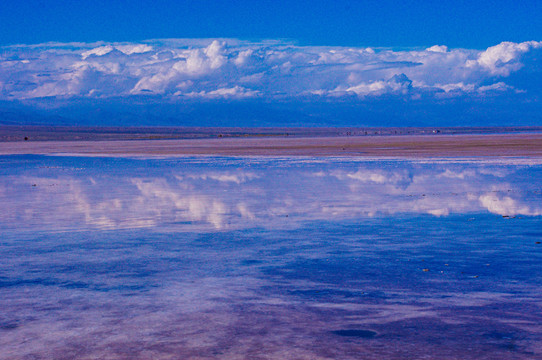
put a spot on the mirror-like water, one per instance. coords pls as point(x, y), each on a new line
point(270, 258)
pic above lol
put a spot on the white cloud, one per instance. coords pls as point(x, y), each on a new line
point(99, 51)
point(500, 86)
point(457, 87)
point(230, 68)
point(236, 92)
point(438, 48)
point(127, 49)
point(504, 58)
point(134, 49)
point(398, 84)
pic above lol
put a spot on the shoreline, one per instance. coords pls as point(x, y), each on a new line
point(422, 146)
point(14, 133)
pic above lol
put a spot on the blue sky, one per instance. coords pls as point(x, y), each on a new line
point(457, 23)
point(270, 63)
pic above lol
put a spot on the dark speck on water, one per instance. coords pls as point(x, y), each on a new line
point(359, 333)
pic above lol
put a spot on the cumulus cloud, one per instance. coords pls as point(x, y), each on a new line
point(398, 84)
point(230, 68)
point(236, 92)
point(438, 48)
point(504, 58)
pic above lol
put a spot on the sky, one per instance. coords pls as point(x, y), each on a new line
point(384, 23)
point(250, 63)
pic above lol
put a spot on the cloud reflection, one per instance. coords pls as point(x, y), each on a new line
point(210, 195)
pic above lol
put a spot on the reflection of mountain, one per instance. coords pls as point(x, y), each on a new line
point(215, 194)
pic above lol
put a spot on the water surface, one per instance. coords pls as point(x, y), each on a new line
point(270, 258)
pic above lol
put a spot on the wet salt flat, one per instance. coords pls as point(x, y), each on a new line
point(270, 258)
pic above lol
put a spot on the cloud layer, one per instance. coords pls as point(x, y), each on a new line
point(234, 69)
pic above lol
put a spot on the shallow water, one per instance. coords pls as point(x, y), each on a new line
point(270, 258)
